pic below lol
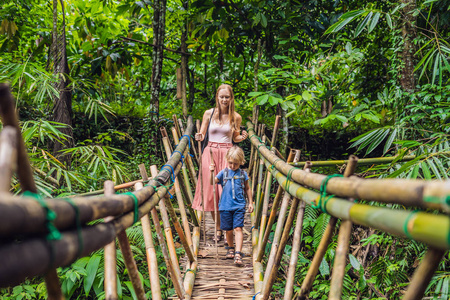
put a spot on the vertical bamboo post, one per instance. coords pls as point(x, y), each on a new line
point(25, 173)
point(110, 284)
point(152, 261)
point(179, 83)
point(270, 279)
point(179, 197)
point(340, 258)
point(187, 159)
point(200, 177)
point(289, 287)
point(273, 213)
point(259, 193)
point(215, 203)
point(185, 186)
point(275, 130)
point(130, 263)
point(256, 165)
point(255, 125)
point(265, 204)
point(170, 268)
point(423, 274)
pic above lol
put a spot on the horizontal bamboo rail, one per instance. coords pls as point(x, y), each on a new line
point(408, 192)
point(362, 161)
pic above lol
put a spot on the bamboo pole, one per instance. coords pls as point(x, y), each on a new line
point(269, 278)
point(185, 186)
point(187, 158)
point(412, 193)
point(423, 274)
point(255, 171)
point(258, 270)
point(259, 194)
point(189, 276)
point(130, 263)
point(362, 161)
point(180, 201)
point(152, 261)
point(8, 157)
point(200, 175)
point(275, 131)
point(118, 187)
point(160, 235)
point(110, 256)
point(169, 257)
point(273, 213)
point(340, 258)
point(216, 217)
point(290, 278)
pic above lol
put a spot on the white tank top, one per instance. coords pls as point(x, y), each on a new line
point(220, 133)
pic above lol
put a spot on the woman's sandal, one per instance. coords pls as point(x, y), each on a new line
point(238, 258)
point(230, 253)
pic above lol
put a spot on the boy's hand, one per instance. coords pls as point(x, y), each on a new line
point(212, 167)
point(250, 207)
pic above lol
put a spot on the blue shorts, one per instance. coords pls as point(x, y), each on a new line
point(230, 219)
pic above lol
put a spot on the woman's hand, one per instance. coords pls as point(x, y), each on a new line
point(244, 134)
point(250, 207)
point(199, 137)
point(212, 167)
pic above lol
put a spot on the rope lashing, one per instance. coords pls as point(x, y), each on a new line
point(170, 170)
point(136, 206)
point(50, 216)
point(182, 156)
point(254, 296)
point(323, 200)
point(189, 139)
point(288, 179)
point(405, 225)
point(78, 224)
point(190, 270)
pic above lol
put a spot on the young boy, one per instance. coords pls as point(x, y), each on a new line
point(232, 202)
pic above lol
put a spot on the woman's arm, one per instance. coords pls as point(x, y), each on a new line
point(237, 135)
point(200, 136)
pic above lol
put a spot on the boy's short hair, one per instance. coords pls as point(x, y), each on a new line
point(237, 154)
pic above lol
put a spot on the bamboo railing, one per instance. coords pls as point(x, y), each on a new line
point(431, 228)
point(25, 220)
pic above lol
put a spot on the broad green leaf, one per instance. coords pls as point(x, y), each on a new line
point(261, 100)
point(390, 140)
point(389, 21)
point(373, 22)
point(378, 141)
point(425, 170)
point(354, 262)
point(306, 95)
point(434, 169)
point(254, 94)
point(91, 270)
point(324, 268)
point(363, 24)
point(131, 289)
point(263, 21)
point(415, 172)
point(435, 68)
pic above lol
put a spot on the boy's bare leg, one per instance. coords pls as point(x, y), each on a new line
point(218, 221)
point(239, 238)
point(229, 234)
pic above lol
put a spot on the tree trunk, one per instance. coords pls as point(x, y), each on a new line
point(62, 104)
point(159, 23)
point(407, 79)
point(184, 66)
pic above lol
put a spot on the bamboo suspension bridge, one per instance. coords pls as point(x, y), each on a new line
point(39, 235)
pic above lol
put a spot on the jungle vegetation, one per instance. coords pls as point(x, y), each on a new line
point(94, 80)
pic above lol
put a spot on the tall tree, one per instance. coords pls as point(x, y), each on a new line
point(62, 103)
point(407, 79)
point(159, 29)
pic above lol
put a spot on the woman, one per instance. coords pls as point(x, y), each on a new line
point(224, 129)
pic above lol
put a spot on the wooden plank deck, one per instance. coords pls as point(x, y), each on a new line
point(221, 278)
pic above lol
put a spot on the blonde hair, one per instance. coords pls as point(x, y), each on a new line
point(230, 107)
point(237, 154)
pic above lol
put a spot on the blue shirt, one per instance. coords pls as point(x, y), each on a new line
point(226, 201)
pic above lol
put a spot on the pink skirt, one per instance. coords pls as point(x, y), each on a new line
point(219, 151)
